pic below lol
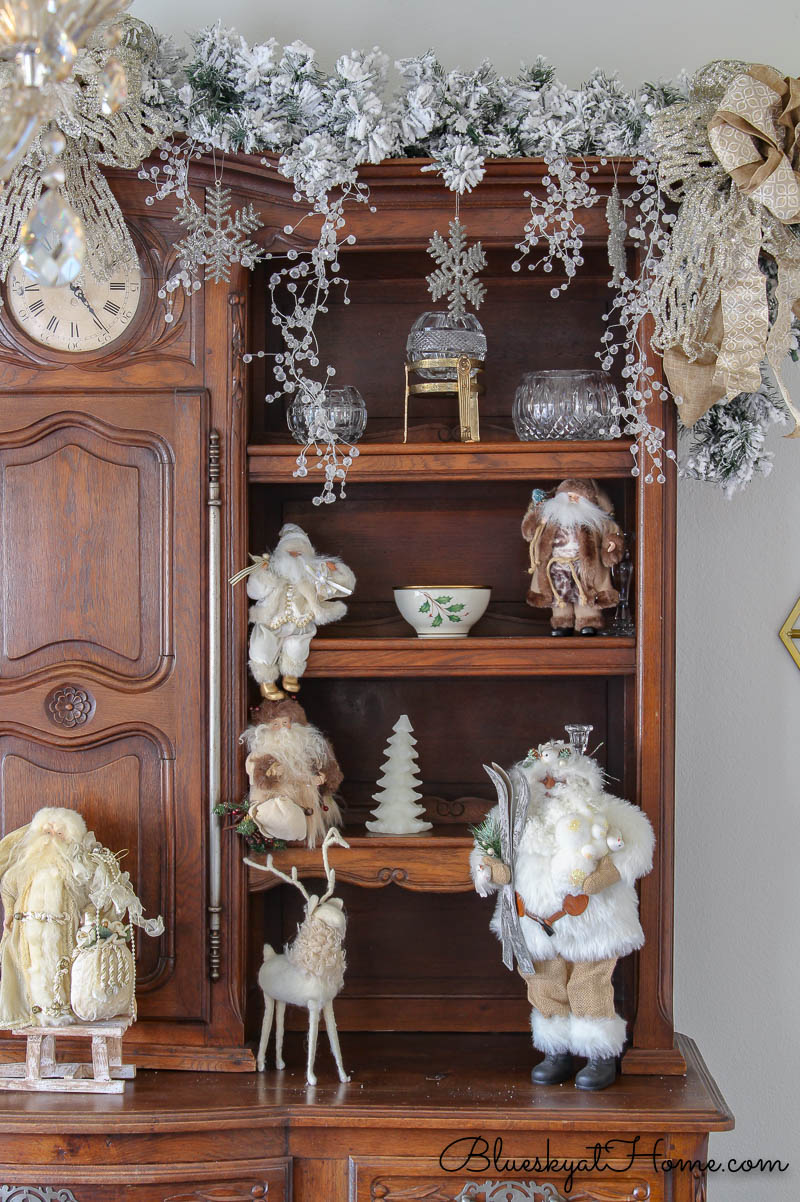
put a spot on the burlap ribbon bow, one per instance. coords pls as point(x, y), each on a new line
point(755, 134)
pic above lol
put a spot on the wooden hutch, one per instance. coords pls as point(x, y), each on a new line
point(134, 482)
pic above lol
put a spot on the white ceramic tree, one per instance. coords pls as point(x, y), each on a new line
point(397, 812)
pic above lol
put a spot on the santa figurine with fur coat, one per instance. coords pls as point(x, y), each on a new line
point(295, 590)
point(293, 775)
point(579, 856)
point(574, 542)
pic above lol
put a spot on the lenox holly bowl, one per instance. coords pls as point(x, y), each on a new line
point(442, 611)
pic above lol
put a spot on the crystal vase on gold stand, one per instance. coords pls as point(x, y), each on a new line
point(460, 375)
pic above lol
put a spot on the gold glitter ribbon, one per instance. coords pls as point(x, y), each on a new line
point(94, 139)
point(754, 134)
point(749, 117)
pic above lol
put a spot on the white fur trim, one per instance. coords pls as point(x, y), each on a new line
point(610, 924)
point(635, 858)
point(596, 1038)
point(551, 1035)
point(482, 882)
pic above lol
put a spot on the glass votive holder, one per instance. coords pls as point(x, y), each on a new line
point(337, 414)
point(565, 404)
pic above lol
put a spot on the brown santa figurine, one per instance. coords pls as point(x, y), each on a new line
point(293, 775)
point(574, 541)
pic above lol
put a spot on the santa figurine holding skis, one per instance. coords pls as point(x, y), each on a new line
point(572, 883)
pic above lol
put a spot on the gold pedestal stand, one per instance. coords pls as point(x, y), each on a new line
point(467, 384)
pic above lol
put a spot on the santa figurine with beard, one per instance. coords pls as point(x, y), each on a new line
point(293, 775)
point(574, 542)
point(574, 925)
point(53, 873)
point(295, 590)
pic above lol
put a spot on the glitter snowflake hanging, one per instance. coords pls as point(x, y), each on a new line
point(217, 239)
point(458, 267)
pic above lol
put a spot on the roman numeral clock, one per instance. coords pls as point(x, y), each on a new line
point(85, 315)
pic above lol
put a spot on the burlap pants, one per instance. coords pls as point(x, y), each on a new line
point(561, 987)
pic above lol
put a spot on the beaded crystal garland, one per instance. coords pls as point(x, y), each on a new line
point(225, 96)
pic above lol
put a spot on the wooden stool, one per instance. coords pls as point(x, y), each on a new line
point(41, 1070)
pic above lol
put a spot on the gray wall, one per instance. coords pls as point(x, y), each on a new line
point(738, 760)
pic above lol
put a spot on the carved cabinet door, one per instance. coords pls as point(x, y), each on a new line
point(102, 684)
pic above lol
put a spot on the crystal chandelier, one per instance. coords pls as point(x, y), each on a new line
point(39, 43)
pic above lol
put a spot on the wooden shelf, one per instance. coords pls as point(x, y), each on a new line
point(437, 862)
point(473, 656)
point(447, 1083)
point(273, 463)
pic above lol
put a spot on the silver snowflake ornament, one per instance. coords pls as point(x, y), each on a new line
point(217, 238)
point(458, 267)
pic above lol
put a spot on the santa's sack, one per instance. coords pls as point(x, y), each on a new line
point(103, 977)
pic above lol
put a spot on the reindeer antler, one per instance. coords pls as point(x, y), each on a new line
point(333, 836)
point(270, 867)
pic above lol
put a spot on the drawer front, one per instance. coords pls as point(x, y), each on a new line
point(267, 1181)
point(382, 1179)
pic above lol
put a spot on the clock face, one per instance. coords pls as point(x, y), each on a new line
point(85, 315)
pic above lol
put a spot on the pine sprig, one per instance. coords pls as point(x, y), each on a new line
point(487, 836)
point(244, 826)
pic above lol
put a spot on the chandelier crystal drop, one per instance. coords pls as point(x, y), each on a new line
point(39, 43)
point(52, 241)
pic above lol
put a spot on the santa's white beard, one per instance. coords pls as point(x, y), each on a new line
point(300, 750)
point(38, 849)
point(560, 511)
point(291, 567)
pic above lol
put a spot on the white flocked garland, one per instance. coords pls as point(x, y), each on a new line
point(224, 96)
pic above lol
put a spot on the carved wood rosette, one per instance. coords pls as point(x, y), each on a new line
point(69, 706)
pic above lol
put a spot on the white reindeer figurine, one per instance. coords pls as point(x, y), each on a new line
point(310, 972)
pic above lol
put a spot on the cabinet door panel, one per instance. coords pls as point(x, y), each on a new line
point(102, 653)
point(84, 547)
point(123, 789)
point(406, 1178)
point(267, 1180)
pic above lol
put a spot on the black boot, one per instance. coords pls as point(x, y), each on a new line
point(598, 1074)
point(561, 631)
point(590, 630)
point(554, 1069)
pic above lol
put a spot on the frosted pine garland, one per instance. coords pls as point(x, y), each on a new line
point(726, 447)
point(226, 96)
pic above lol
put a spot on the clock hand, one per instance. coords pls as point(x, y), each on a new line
point(76, 290)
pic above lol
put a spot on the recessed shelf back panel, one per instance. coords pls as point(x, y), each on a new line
point(458, 533)
point(460, 724)
point(365, 340)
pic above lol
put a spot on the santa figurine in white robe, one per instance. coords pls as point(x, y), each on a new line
point(295, 590)
point(579, 856)
point(57, 883)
